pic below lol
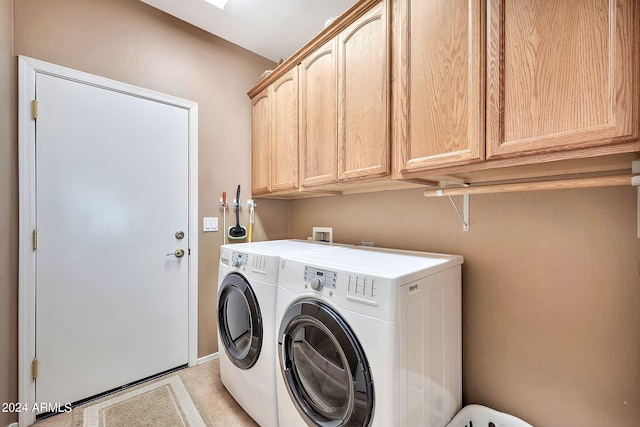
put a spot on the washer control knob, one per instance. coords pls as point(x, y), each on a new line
point(237, 263)
point(316, 283)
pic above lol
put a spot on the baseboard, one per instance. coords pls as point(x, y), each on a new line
point(208, 358)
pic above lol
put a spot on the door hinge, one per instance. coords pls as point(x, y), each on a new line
point(35, 239)
point(34, 369)
point(34, 109)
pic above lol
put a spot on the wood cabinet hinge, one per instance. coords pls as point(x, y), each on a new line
point(34, 109)
point(34, 368)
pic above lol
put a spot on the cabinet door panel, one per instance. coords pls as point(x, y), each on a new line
point(438, 110)
point(318, 117)
point(363, 97)
point(261, 143)
point(284, 159)
point(560, 75)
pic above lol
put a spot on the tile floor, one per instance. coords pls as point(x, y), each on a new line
point(203, 381)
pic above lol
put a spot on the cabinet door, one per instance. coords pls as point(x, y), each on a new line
point(318, 117)
point(438, 83)
point(561, 75)
point(261, 143)
point(284, 155)
point(363, 97)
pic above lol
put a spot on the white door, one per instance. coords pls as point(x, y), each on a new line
point(112, 191)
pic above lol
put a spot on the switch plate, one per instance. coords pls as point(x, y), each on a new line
point(210, 224)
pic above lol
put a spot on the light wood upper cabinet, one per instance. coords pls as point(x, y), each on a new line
point(261, 143)
point(438, 111)
point(284, 155)
point(466, 88)
point(561, 75)
point(318, 117)
point(344, 104)
point(363, 97)
point(274, 149)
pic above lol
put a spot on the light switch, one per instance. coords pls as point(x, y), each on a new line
point(210, 224)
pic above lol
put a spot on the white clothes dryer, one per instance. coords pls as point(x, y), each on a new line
point(247, 288)
point(369, 338)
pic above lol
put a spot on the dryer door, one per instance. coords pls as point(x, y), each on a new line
point(324, 367)
point(239, 321)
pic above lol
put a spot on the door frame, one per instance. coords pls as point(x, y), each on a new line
point(28, 68)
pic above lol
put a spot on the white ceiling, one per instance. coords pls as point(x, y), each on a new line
point(271, 28)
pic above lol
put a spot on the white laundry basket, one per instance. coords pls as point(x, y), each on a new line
point(481, 416)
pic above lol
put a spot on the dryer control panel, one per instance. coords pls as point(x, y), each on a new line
point(238, 259)
point(319, 278)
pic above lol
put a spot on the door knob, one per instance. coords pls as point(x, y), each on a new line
point(179, 253)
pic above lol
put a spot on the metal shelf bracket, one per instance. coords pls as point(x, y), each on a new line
point(464, 217)
point(545, 184)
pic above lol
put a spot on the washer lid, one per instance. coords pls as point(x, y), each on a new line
point(260, 260)
point(280, 247)
point(403, 266)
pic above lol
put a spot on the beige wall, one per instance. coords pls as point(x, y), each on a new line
point(8, 216)
point(129, 41)
point(551, 292)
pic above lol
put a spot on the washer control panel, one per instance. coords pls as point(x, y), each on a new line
point(238, 259)
point(319, 278)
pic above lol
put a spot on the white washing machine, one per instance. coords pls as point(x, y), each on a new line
point(247, 288)
point(369, 338)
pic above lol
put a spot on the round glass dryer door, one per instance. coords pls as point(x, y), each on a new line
point(239, 321)
point(324, 367)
